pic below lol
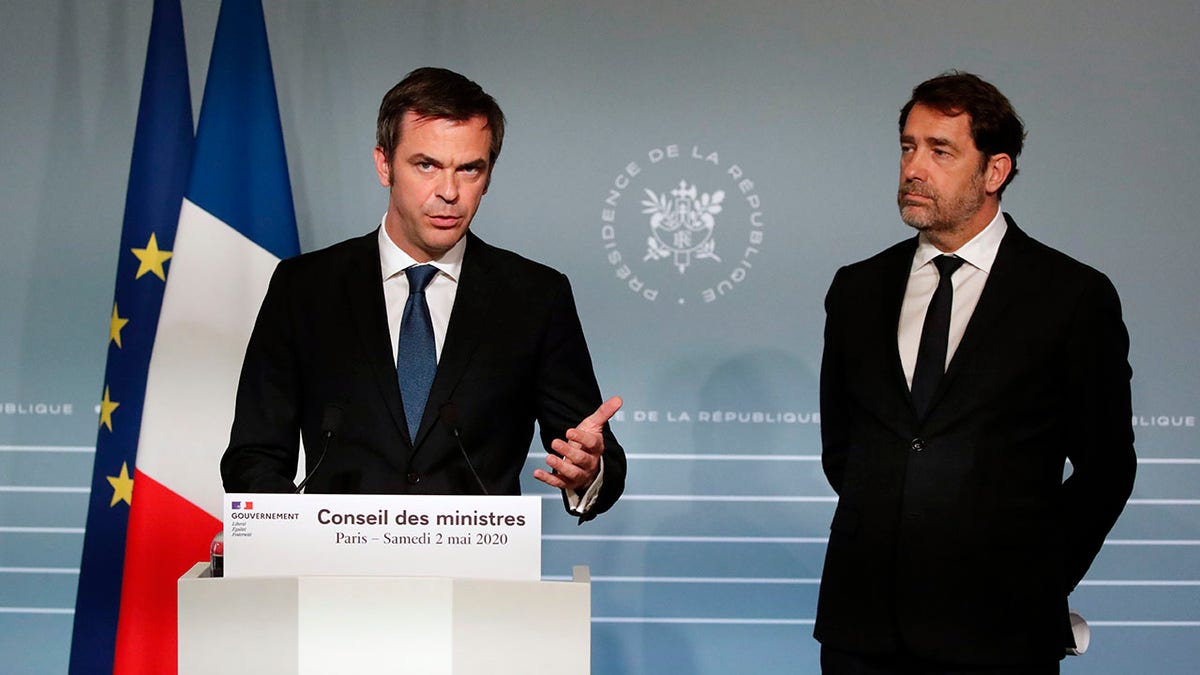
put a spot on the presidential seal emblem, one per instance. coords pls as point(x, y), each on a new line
point(694, 234)
point(682, 225)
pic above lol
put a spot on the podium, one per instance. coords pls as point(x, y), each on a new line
point(309, 625)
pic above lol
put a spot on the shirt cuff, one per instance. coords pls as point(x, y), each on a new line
point(581, 505)
point(1082, 634)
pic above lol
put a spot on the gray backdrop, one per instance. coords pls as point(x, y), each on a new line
point(710, 562)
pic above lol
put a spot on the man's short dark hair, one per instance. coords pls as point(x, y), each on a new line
point(437, 93)
point(995, 126)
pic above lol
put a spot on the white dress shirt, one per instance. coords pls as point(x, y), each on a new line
point(979, 253)
point(439, 295)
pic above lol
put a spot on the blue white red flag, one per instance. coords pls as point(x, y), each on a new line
point(236, 223)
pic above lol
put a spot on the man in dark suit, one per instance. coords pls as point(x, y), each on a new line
point(420, 354)
point(961, 369)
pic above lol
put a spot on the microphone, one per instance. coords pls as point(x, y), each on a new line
point(448, 414)
point(331, 421)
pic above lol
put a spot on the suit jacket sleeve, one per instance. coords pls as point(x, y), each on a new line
point(264, 442)
point(834, 432)
point(1102, 455)
point(567, 392)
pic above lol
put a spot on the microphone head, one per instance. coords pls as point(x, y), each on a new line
point(331, 420)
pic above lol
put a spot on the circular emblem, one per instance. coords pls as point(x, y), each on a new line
point(681, 226)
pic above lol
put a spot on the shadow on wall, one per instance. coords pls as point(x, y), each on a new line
point(773, 383)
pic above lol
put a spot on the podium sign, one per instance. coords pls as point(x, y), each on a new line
point(281, 535)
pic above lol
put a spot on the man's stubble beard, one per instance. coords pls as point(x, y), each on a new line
point(940, 216)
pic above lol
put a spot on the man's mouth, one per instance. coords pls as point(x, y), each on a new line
point(445, 220)
point(914, 198)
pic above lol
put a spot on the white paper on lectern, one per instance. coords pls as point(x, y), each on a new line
point(495, 537)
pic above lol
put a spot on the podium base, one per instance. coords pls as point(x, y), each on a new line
point(429, 626)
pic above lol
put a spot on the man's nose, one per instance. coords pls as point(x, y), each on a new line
point(447, 188)
point(914, 167)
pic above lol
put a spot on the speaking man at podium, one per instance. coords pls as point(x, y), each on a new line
point(962, 367)
point(415, 359)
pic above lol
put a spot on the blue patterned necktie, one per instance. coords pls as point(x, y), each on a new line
point(416, 359)
point(935, 336)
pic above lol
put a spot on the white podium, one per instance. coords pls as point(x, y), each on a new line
point(310, 625)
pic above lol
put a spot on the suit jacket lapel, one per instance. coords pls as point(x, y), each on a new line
point(364, 296)
point(468, 324)
point(1005, 283)
point(897, 273)
point(874, 319)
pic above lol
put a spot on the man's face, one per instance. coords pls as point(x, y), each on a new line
point(436, 176)
point(942, 173)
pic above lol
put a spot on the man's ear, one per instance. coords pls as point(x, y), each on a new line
point(383, 167)
point(998, 168)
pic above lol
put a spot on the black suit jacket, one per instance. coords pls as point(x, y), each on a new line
point(514, 353)
point(955, 536)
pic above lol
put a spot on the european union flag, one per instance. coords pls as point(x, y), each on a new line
point(158, 178)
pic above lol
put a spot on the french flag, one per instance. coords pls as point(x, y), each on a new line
point(237, 221)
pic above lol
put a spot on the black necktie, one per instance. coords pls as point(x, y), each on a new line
point(935, 336)
point(416, 360)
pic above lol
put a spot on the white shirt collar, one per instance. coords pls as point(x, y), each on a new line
point(393, 260)
point(979, 252)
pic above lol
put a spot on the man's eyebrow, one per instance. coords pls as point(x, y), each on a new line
point(935, 141)
point(422, 158)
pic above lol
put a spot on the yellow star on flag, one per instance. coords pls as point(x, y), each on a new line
point(114, 329)
point(152, 259)
point(122, 487)
point(107, 406)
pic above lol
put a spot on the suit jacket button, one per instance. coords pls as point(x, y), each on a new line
point(917, 445)
point(414, 478)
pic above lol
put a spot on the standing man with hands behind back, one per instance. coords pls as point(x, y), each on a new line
point(421, 354)
point(961, 369)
